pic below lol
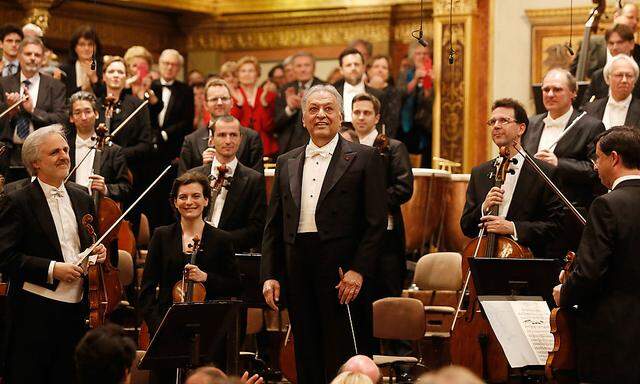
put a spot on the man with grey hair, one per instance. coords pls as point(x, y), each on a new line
point(560, 139)
point(46, 104)
point(327, 214)
point(287, 121)
point(42, 238)
point(621, 107)
point(171, 120)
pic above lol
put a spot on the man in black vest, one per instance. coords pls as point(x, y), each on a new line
point(604, 280)
point(42, 237)
point(327, 211)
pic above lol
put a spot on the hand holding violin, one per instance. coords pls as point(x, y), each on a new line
point(194, 273)
point(101, 252)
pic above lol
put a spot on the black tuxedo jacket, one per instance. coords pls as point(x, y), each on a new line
point(289, 129)
point(135, 137)
point(597, 107)
point(165, 263)
point(249, 152)
point(535, 210)
point(578, 180)
point(604, 285)
point(245, 207)
point(178, 119)
point(29, 239)
point(598, 88)
point(113, 168)
point(51, 107)
point(350, 213)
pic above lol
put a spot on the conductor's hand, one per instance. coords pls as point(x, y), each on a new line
point(497, 224)
point(494, 197)
point(195, 274)
point(101, 253)
point(66, 272)
point(255, 379)
point(556, 294)
point(349, 286)
point(271, 293)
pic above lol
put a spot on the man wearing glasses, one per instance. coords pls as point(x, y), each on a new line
point(528, 211)
point(197, 148)
point(620, 107)
point(563, 138)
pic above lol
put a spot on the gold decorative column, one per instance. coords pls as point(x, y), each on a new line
point(37, 12)
point(461, 103)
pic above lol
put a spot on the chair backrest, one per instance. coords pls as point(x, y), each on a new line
point(143, 232)
point(439, 271)
point(398, 318)
point(139, 376)
point(125, 267)
point(255, 321)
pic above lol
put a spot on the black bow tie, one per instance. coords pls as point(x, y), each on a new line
point(170, 86)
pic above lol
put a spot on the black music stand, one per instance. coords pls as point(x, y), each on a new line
point(515, 277)
point(249, 267)
point(191, 333)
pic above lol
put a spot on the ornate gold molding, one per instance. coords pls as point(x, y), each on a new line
point(460, 7)
point(562, 16)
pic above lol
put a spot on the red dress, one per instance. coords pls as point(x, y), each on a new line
point(260, 118)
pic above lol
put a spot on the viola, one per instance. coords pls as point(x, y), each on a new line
point(484, 355)
point(187, 290)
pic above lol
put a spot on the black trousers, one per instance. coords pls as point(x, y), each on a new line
point(321, 330)
point(391, 268)
point(43, 337)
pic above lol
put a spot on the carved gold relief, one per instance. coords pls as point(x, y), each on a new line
point(460, 7)
point(452, 95)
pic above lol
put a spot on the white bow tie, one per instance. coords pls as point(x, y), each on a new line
point(85, 144)
point(616, 104)
point(55, 192)
point(313, 152)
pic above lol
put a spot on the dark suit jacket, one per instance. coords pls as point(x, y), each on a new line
point(245, 207)
point(165, 263)
point(29, 240)
point(578, 180)
point(135, 137)
point(350, 213)
point(289, 129)
point(113, 168)
point(535, 210)
point(51, 107)
point(249, 152)
point(604, 285)
point(178, 119)
point(99, 89)
point(600, 89)
point(597, 107)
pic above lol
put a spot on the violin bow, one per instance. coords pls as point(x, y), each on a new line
point(131, 115)
point(13, 106)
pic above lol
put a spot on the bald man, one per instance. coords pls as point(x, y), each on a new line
point(362, 364)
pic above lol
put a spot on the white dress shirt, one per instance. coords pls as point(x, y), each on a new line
point(552, 130)
point(369, 138)
point(66, 225)
point(166, 96)
point(615, 113)
point(316, 163)
point(222, 196)
point(86, 168)
point(624, 178)
point(348, 94)
point(33, 95)
point(81, 76)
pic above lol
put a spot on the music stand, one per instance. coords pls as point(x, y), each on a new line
point(190, 333)
point(515, 277)
point(249, 267)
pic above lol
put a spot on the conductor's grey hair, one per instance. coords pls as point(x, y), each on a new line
point(322, 88)
point(31, 145)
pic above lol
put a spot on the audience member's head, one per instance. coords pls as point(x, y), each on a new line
point(85, 45)
point(351, 65)
point(195, 77)
point(248, 71)
point(419, 54)
point(450, 375)
point(379, 71)
point(32, 30)
point(620, 40)
point(348, 377)
point(276, 75)
point(31, 56)
point(628, 16)
point(364, 365)
point(104, 356)
point(304, 66)
point(229, 73)
point(10, 36)
point(207, 375)
point(364, 47)
point(139, 61)
point(170, 64)
point(289, 74)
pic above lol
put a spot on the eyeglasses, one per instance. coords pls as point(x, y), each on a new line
point(500, 121)
point(224, 99)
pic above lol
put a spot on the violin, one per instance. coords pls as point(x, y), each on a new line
point(217, 183)
point(484, 355)
point(187, 290)
point(561, 362)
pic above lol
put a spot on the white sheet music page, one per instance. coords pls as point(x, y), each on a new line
point(522, 328)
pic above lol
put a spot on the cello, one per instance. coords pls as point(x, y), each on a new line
point(484, 356)
point(591, 26)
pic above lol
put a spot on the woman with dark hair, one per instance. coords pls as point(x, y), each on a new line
point(85, 62)
point(170, 252)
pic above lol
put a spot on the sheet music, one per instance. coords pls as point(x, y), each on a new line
point(522, 328)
